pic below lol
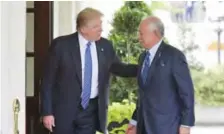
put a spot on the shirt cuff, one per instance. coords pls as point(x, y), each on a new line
point(185, 126)
point(133, 122)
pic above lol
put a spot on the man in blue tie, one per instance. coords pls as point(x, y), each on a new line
point(166, 94)
point(74, 90)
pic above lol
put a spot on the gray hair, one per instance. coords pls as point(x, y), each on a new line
point(157, 26)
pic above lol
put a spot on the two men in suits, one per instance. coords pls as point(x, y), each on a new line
point(74, 90)
point(166, 94)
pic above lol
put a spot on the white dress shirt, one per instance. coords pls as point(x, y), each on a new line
point(83, 44)
point(152, 52)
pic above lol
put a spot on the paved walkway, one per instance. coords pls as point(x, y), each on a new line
point(209, 120)
point(207, 130)
point(209, 116)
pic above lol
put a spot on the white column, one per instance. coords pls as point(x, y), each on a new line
point(1, 55)
point(13, 20)
point(55, 19)
point(73, 16)
point(63, 18)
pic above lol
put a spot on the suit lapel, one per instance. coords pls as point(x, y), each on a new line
point(75, 54)
point(100, 56)
point(154, 63)
point(141, 61)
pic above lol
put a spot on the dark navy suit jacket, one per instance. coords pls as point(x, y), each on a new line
point(166, 100)
point(62, 81)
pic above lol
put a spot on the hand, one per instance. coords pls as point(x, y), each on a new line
point(48, 122)
point(131, 129)
point(184, 130)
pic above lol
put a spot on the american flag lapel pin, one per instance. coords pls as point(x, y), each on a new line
point(159, 54)
point(162, 63)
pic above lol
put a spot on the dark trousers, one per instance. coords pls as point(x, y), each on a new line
point(143, 129)
point(86, 121)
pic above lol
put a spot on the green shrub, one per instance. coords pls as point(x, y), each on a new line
point(209, 86)
point(120, 111)
point(124, 36)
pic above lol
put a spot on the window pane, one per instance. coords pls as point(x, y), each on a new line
point(30, 4)
point(30, 76)
point(29, 32)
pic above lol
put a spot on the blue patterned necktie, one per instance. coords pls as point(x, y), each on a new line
point(87, 77)
point(145, 68)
